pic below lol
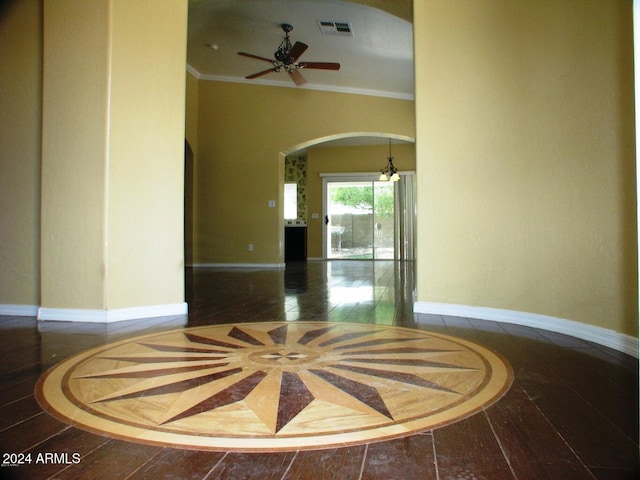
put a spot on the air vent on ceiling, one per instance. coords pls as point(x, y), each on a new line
point(342, 29)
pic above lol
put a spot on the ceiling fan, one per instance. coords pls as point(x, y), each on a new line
point(286, 57)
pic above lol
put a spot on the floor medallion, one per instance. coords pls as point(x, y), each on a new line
point(274, 386)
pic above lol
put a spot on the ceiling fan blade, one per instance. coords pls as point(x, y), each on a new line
point(244, 54)
point(297, 50)
point(297, 77)
point(320, 65)
point(264, 72)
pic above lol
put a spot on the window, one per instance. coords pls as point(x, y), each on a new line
point(290, 201)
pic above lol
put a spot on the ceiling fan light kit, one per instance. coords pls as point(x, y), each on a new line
point(286, 57)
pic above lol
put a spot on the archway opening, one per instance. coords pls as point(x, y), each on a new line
point(308, 167)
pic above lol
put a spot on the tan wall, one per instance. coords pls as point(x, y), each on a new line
point(369, 158)
point(525, 157)
point(191, 135)
point(113, 154)
point(74, 154)
point(191, 106)
point(525, 152)
point(243, 129)
point(146, 154)
point(20, 118)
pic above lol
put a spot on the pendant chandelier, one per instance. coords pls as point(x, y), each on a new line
point(389, 172)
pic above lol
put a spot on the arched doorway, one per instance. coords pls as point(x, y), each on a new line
point(341, 158)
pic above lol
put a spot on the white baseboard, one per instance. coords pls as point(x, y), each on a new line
point(602, 336)
point(239, 265)
point(108, 316)
point(19, 310)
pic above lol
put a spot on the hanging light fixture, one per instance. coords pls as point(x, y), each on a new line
point(389, 172)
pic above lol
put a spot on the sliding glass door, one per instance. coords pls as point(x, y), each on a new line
point(360, 219)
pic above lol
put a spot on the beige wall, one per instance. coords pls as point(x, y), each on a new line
point(366, 158)
point(113, 154)
point(146, 153)
point(74, 154)
point(525, 152)
point(191, 107)
point(20, 118)
point(524, 158)
point(243, 131)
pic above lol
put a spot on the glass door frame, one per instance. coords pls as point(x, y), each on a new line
point(404, 215)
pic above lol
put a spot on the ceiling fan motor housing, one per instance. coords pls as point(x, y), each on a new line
point(282, 54)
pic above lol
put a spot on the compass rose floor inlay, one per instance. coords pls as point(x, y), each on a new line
point(274, 386)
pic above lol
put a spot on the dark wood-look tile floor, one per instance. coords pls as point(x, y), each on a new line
point(572, 412)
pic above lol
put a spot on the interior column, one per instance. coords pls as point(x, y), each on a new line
point(113, 159)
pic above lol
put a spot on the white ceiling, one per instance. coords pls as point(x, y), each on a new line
point(377, 60)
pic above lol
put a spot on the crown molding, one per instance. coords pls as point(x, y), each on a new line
point(322, 88)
